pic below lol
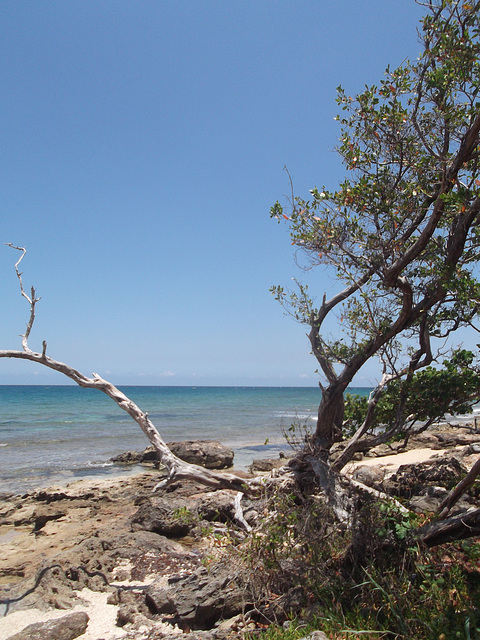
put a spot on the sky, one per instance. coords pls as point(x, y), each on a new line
point(143, 143)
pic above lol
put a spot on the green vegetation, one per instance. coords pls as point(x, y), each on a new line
point(430, 394)
point(371, 580)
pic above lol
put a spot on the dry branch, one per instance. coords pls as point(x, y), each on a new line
point(177, 468)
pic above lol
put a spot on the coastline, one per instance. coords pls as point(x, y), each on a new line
point(65, 523)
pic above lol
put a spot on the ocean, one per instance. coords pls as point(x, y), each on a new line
point(55, 434)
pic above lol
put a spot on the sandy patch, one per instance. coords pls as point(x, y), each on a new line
point(391, 463)
point(101, 625)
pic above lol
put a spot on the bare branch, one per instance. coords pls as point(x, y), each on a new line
point(177, 468)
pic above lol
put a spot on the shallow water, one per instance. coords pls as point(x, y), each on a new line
point(51, 434)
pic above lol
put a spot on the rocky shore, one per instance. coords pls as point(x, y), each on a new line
point(110, 559)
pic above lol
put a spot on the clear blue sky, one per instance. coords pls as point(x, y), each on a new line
point(142, 145)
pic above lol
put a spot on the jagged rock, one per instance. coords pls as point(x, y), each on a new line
point(218, 505)
point(65, 628)
point(167, 516)
point(206, 453)
point(42, 516)
point(136, 457)
point(177, 516)
point(132, 545)
point(430, 498)
point(200, 599)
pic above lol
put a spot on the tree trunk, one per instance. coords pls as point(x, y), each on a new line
point(330, 417)
point(466, 525)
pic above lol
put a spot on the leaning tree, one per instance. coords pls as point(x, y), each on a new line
point(401, 236)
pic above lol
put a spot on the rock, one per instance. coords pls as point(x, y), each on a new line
point(132, 545)
point(267, 464)
point(410, 480)
point(136, 457)
point(174, 516)
point(199, 599)
point(42, 516)
point(206, 453)
point(473, 448)
point(315, 635)
point(226, 628)
point(167, 516)
point(430, 498)
point(65, 628)
point(158, 600)
point(371, 476)
point(218, 505)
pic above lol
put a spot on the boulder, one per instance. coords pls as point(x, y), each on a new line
point(206, 453)
point(65, 628)
point(371, 476)
point(200, 599)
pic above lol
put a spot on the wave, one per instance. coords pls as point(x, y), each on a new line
point(295, 415)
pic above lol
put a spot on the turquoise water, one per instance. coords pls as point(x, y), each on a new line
point(57, 433)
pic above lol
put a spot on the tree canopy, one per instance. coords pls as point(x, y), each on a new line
point(400, 233)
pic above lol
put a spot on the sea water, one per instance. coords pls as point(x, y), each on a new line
point(51, 434)
point(56, 433)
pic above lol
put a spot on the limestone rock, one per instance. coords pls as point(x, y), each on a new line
point(166, 516)
point(65, 628)
point(267, 464)
point(410, 480)
point(176, 516)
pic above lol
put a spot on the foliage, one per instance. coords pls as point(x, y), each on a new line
point(400, 233)
point(371, 580)
point(430, 394)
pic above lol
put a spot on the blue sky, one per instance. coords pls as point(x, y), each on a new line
point(143, 143)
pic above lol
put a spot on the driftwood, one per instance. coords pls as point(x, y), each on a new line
point(177, 468)
point(458, 491)
point(465, 525)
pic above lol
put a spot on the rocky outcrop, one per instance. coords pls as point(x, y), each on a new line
point(411, 479)
point(65, 628)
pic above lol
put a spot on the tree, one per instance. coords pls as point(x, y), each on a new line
point(401, 235)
